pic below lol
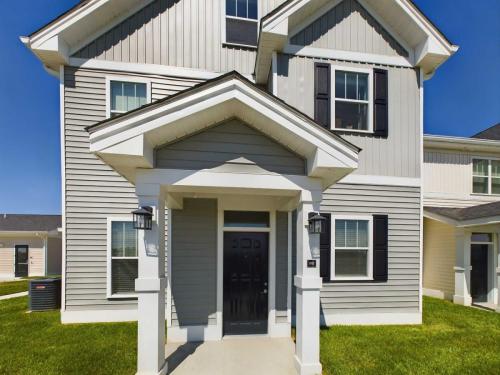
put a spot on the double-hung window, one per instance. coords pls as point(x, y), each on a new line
point(352, 99)
point(125, 96)
point(122, 258)
point(351, 248)
point(485, 176)
point(241, 26)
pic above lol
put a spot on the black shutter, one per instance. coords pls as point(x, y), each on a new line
point(322, 94)
point(380, 247)
point(325, 249)
point(380, 103)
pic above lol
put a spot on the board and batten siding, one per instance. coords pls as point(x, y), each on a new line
point(182, 33)
point(231, 144)
point(349, 27)
point(93, 190)
point(448, 178)
point(397, 155)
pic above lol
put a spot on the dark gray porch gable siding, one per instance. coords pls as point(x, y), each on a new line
point(221, 144)
point(281, 266)
point(194, 263)
point(349, 27)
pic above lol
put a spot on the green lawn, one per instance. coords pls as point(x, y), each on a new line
point(11, 287)
point(453, 339)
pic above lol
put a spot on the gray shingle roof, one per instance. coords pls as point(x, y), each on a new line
point(468, 213)
point(29, 223)
point(492, 133)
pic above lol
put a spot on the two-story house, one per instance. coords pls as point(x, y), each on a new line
point(233, 123)
point(462, 218)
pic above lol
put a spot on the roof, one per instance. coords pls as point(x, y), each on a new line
point(492, 133)
point(29, 223)
point(467, 213)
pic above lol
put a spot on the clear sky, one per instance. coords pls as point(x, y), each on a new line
point(461, 99)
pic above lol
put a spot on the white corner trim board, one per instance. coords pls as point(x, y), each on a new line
point(372, 319)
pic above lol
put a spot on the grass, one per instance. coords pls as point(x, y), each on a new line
point(17, 286)
point(453, 339)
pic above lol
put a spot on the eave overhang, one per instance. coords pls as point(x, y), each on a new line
point(450, 143)
point(128, 142)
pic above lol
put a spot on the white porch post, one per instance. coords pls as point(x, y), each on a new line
point(308, 284)
point(150, 285)
point(498, 269)
point(462, 268)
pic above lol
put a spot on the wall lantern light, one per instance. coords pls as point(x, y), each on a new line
point(143, 218)
point(317, 224)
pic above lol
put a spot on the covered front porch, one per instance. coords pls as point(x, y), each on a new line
point(231, 176)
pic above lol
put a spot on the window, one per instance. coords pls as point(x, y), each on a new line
point(241, 22)
point(351, 249)
point(125, 96)
point(243, 219)
point(352, 99)
point(122, 258)
point(485, 176)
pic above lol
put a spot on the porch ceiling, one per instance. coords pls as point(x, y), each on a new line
point(128, 142)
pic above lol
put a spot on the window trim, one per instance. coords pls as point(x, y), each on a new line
point(489, 176)
point(127, 79)
point(369, 263)
point(109, 257)
point(333, 70)
point(223, 27)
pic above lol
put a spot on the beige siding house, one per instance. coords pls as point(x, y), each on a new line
point(30, 245)
point(233, 125)
point(462, 218)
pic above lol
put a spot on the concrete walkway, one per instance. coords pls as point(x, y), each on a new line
point(232, 356)
point(15, 295)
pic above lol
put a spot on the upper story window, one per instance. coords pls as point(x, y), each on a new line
point(352, 100)
point(126, 95)
point(485, 176)
point(241, 22)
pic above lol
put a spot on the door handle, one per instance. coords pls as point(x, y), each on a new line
point(265, 291)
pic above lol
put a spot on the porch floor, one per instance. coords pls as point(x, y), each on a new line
point(242, 356)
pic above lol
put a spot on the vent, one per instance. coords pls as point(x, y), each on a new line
point(45, 294)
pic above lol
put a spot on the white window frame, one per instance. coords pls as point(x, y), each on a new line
point(334, 69)
point(369, 262)
point(127, 79)
point(223, 26)
point(109, 258)
point(489, 176)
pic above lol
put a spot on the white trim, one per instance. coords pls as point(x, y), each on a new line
point(362, 57)
point(63, 185)
point(357, 179)
point(271, 304)
point(168, 310)
point(220, 267)
point(289, 276)
point(223, 25)
point(312, 18)
point(274, 67)
point(372, 318)
point(247, 229)
point(461, 143)
point(109, 221)
point(421, 229)
point(125, 79)
point(369, 261)
point(99, 316)
point(489, 176)
point(369, 72)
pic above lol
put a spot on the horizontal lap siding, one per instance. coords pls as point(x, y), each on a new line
point(93, 190)
point(281, 266)
point(401, 292)
point(184, 33)
point(396, 155)
point(349, 27)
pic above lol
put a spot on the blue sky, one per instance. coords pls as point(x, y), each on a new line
point(461, 99)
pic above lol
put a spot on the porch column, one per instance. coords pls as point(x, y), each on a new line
point(498, 269)
point(462, 268)
point(150, 285)
point(308, 284)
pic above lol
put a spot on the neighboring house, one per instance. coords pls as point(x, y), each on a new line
point(30, 245)
point(235, 121)
point(462, 218)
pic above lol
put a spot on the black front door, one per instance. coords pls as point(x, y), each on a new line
point(245, 283)
point(21, 261)
point(479, 273)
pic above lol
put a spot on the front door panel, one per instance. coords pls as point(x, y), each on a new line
point(21, 261)
point(479, 273)
point(245, 283)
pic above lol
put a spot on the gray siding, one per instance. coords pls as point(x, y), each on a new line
point(194, 263)
point(184, 33)
point(281, 266)
point(222, 144)
point(93, 190)
point(399, 154)
point(400, 293)
point(349, 27)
